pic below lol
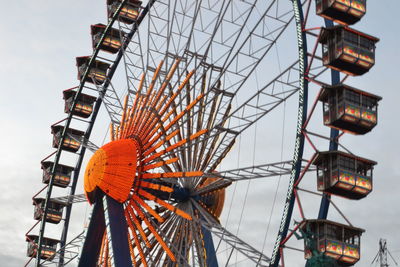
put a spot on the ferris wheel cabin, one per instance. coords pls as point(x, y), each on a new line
point(48, 247)
point(62, 176)
point(349, 109)
point(54, 210)
point(347, 50)
point(97, 73)
point(83, 107)
point(344, 174)
point(128, 13)
point(71, 141)
point(112, 41)
point(342, 11)
point(337, 241)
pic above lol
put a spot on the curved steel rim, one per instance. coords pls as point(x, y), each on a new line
point(299, 146)
point(90, 126)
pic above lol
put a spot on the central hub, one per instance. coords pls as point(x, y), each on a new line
point(112, 168)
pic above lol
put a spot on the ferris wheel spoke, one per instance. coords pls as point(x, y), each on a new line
point(70, 199)
point(229, 238)
point(235, 70)
point(110, 98)
point(255, 108)
point(199, 243)
point(168, 230)
point(70, 251)
point(258, 171)
point(274, 93)
point(212, 187)
point(179, 234)
point(169, 227)
point(217, 38)
point(84, 142)
point(221, 137)
point(241, 53)
point(133, 60)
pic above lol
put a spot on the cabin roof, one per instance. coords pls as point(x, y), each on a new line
point(99, 27)
point(325, 32)
point(85, 59)
point(57, 128)
point(39, 200)
point(46, 164)
point(322, 221)
point(322, 155)
point(326, 88)
point(70, 93)
point(48, 240)
point(133, 2)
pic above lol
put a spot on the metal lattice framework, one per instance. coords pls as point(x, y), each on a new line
point(192, 90)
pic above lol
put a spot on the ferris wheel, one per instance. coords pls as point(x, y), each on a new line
point(210, 112)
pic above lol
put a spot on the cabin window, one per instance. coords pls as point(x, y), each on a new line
point(369, 103)
point(83, 108)
point(333, 232)
point(350, 37)
point(352, 98)
point(347, 163)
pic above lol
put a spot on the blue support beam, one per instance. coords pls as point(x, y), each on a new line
point(333, 145)
point(92, 245)
point(209, 247)
point(119, 233)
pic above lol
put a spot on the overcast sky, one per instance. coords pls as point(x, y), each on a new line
point(39, 42)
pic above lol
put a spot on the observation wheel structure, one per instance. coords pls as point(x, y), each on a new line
point(210, 137)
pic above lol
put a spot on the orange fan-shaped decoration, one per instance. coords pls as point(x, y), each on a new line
point(124, 169)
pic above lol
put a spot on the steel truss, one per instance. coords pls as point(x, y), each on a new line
point(193, 35)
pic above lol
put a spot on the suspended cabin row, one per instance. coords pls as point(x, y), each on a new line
point(48, 248)
point(341, 11)
point(349, 109)
point(54, 210)
point(344, 174)
point(345, 49)
point(337, 241)
point(112, 42)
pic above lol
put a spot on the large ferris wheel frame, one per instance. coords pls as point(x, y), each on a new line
point(299, 143)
